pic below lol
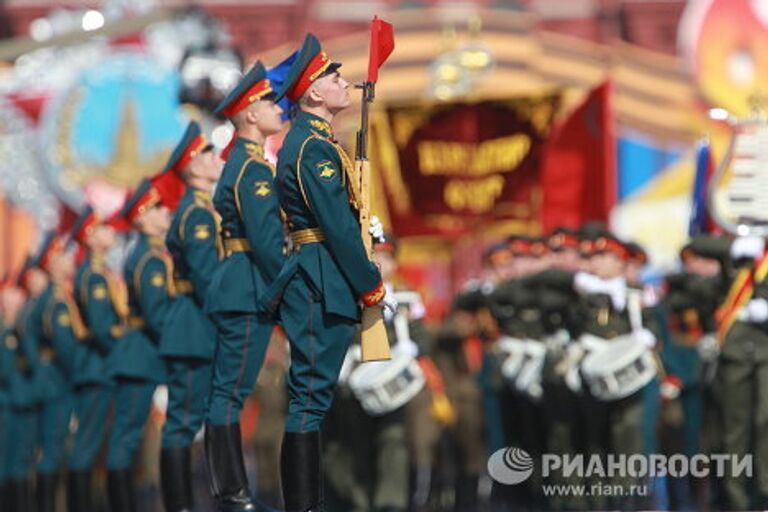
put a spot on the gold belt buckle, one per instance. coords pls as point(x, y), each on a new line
point(307, 236)
point(183, 286)
point(232, 245)
point(47, 354)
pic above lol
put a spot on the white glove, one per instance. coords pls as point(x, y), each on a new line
point(617, 289)
point(584, 282)
point(376, 230)
point(757, 310)
point(747, 247)
point(708, 347)
point(670, 388)
point(645, 337)
point(389, 302)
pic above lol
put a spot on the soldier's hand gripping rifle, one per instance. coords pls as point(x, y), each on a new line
point(373, 341)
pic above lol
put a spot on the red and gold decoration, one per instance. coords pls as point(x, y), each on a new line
point(448, 169)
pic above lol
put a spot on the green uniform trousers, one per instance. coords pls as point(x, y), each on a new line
point(742, 376)
point(319, 342)
point(54, 428)
point(5, 441)
point(92, 410)
point(189, 386)
point(22, 440)
point(133, 399)
point(241, 345)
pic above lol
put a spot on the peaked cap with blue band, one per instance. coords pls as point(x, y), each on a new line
point(311, 63)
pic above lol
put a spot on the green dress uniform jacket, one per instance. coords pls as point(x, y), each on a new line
point(251, 228)
point(313, 178)
point(94, 293)
point(58, 344)
point(147, 279)
point(193, 243)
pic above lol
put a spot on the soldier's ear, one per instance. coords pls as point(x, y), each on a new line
point(314, 95)
point(251, 116)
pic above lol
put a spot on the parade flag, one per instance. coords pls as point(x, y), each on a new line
point(382, 45)
point(701, 221)
point(578, 175)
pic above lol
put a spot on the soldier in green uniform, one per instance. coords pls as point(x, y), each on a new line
point(97, 295)
point(61, 328)
point(22, 421)
point(25, 397)
point(253, 239)
point(328, 272)
point(188, 337)
point(742, 372)
point(9, 299)
point(135, 362)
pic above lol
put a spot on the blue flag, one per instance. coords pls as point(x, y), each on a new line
point(277, 76)
point(701, 221)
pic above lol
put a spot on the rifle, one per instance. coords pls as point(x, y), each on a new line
point(374, 341)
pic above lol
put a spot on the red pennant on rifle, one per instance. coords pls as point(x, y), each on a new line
point(382, 44)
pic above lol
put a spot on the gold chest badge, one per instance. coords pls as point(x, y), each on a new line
point(262, 189)
point(157, 280)
point(326, 169)
point(100, 292)
point(64, 320)
point(202, 232)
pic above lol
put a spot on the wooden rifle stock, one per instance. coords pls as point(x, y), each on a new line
point(374, 342)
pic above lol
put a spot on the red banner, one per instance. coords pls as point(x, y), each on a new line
point(447, 169)
point(578, 178)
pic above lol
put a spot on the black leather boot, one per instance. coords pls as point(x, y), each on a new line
point(300, 470)
point(224, 454)
point(79, 491)
point(120, 491)
point(22, 494)
point(46, 492)
point(176, 479)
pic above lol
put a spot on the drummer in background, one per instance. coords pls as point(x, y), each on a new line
point(367, 454)
point(560, 377)
point(516, 308)
point(613, 426)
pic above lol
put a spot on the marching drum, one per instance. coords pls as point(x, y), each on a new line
point(618, 369)
point(383, 386)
